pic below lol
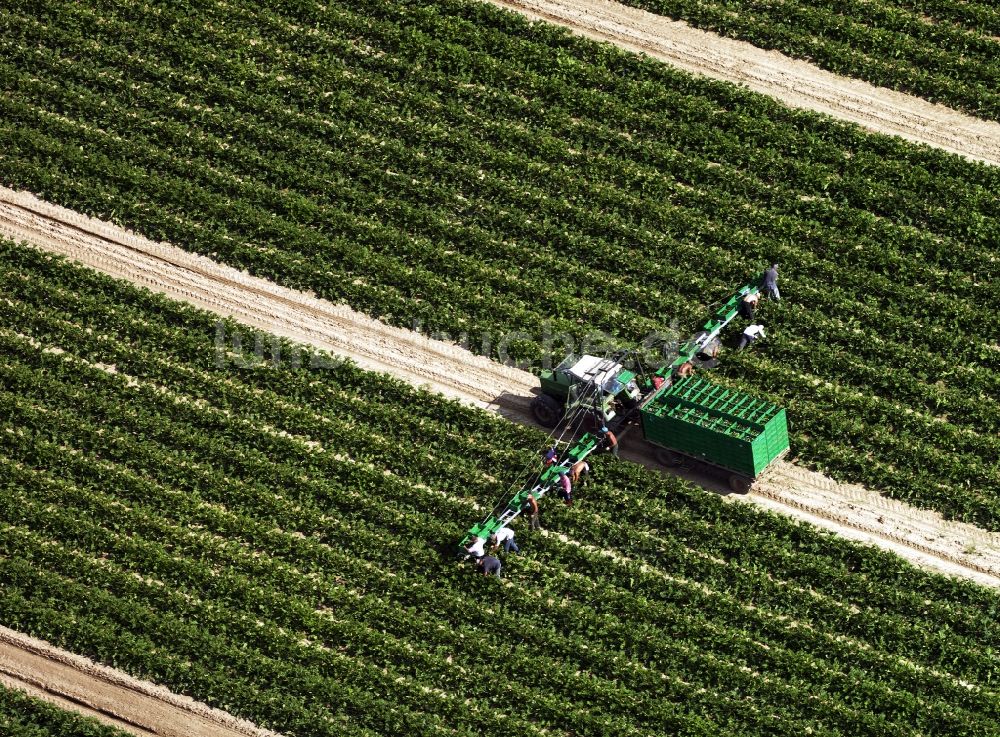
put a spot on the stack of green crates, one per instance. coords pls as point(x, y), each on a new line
point(717, 424)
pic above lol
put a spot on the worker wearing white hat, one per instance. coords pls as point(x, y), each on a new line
point(751, 334)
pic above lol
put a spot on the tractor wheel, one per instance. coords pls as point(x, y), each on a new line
point(740, 484)
point(669, 458)
point(547, 411)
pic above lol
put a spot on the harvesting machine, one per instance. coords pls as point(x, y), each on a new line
point(687, 419)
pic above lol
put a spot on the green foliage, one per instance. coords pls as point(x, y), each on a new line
point(277, 541)
point(449, 165)
point(24, 716)
point(947, 51)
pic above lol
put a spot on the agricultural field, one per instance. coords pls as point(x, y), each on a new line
point(448, 165)
point(276, 541)
point(24, 716)
point(946, 51)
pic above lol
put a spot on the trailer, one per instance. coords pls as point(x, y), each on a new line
point(717, 427)
point(688, 419)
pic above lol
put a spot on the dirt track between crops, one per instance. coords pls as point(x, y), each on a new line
point(850, 511)
point(135, 706)
point(796, 83)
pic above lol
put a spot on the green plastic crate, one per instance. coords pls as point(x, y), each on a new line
point(716, 424)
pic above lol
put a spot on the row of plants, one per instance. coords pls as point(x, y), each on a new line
point(946, 51)
point(452, 166)
point(217, 144)
point(22, 715)
point(278, 541)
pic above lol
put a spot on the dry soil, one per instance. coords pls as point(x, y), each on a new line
point(851, 511)
point(918, 535)
point(796, 83)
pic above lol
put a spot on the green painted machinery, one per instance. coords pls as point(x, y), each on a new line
point(687, 418)
point(706, 340)
point(610, 387)
point(592, 383)
point(541, 484)
point(715, 425)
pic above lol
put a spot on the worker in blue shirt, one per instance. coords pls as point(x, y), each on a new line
point(770, 283)
point(489, 565)
point(551, 456)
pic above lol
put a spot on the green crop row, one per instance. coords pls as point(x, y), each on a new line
point(24, 716)
point(277, 541)
point(449, 165)
point(947, 51)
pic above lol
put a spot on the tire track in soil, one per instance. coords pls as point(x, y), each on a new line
point(953, 547)
point(795, 83)
point(851, 511)
point(114, 698)
point(922, 537)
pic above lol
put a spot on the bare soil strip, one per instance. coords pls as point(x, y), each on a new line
point(922, 537)
point(261, 304)
point(797, 84)
point(139, 707)
point(919, 535)
point(145, 709)
point(851, 511)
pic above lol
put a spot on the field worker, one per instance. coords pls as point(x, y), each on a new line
point(750, 335)
point(685, 369)
point(551, 456)
point(608, 441)
point(770, 283)
point(565, 487)
point(711, 349)
point(530, 508)
point(578, 470)
point(504, 536)
point(749, 303)
point(489, 565)
point(478, 547)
